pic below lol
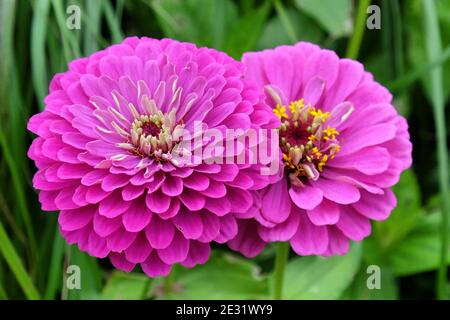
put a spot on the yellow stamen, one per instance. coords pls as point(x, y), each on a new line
point(280, 112)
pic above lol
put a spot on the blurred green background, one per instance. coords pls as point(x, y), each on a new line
point(409, 54)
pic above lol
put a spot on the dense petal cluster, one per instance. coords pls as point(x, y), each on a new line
point(105, 151)
point(343, 143)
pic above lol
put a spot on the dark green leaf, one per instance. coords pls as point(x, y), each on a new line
point(333, 15)
point(275, 34)
point(321, 278)
point(125, 286)
point(224, 277)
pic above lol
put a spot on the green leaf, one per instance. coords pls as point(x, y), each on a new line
point(420, 250)
point(275, 34)
point(245, 32)
point(91, 275)
point(314, 277)
point(198, 21)
point(333, 15)
point(125, 286)
point(224, 277)
point(405, 216)
point(359, 290)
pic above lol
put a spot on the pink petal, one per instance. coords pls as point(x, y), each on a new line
point(137, 217)
point(157, 202)
point(338, 243)
point(159, 232)
point(139, 250)
point(337, 191)
point(114, 181)
point(198, 254)
point(314, 90)
point(154, 267)
point(283, 231)
point(309, 239)
point(193, 200)
point(366, 137)
point(228, 229)
point(247, 240)
point(177, 250)
point(306, 197)
point(353, 225)
point(276, 203)
point(189, 224)
point(70, 220)
point(325, 213)
point(104, 226)
point(97, 245)
point(211, 227)
point(120, 239)
point(120, 262)
point(369, 161)
point(113, 205)
point(172, 186)
point(376, 206)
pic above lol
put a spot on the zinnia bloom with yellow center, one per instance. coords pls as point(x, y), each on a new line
point(343, 143)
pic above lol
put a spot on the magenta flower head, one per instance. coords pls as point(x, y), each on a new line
point(116, 152)
point(343, 144)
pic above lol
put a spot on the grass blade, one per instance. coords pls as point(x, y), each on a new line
point(285, 20)
point(360, 26)
point(92, 21)
point(16, 266)
point(409, 78)
point(55, 274)
point(113, 22)
point(18, 187)
point(69, 40)
point(434, 50)
point(38, 62)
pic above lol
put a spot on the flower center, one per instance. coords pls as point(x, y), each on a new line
point(307, 144)
point(150, 129)
point(155, 135)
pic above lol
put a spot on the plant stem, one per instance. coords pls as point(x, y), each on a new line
point(359, 28)
point(285, 21)
point(434, 50)
point(280, 265)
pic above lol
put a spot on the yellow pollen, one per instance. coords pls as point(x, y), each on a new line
point(296, 106)
point(306, 159)
point(330, 133)
point(280, 111)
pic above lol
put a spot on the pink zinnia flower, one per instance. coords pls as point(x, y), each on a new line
point(343, 143)
point(105, 150)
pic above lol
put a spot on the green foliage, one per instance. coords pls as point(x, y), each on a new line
point(126, 286)
point(417, 39)
point(91, 275)
point(275, 33)
point(360, 291)
point(419, 251)
point(403, 218)
point(321, 278)
point(203, 22)
point(225, 276)
point(333, 15)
